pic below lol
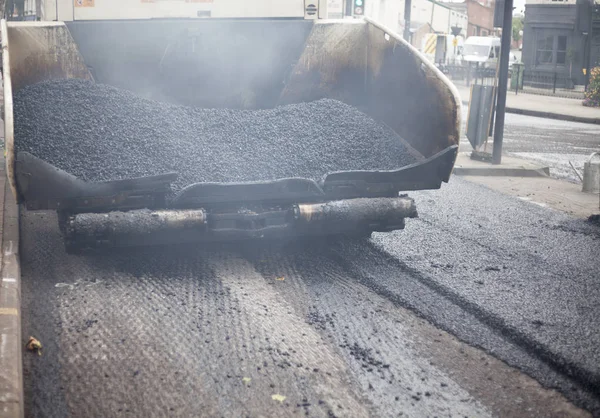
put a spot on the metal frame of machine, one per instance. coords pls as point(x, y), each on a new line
point(98, 215)
point(69, 10)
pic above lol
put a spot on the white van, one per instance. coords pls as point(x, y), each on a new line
point(483, 50)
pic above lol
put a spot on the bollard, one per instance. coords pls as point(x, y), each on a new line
point(591, 175)
point(468, 74)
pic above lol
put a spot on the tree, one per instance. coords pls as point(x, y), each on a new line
point(517, 27)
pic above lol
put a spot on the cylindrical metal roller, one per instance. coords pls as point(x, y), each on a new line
point(377, 214)
point(133, 228)
point(145, 227)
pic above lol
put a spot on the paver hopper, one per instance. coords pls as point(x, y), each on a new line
point(234, 64)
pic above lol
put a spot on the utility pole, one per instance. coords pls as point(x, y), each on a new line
point(349, 4)
point(502, 81)
point(407, 8)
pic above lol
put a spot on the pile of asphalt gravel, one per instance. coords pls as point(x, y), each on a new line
point(100, 133)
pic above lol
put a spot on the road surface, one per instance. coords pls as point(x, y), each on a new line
point(547, 141)
point(476, 309)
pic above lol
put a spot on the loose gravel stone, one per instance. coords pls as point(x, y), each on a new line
point(100, 133)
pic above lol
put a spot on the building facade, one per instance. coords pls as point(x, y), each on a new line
point(480, 16)
point(439, 16)
point(558, 40)
point(595, 37)
point(426, 16)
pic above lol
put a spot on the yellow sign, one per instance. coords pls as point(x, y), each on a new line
point(430, 43)
point(84, 3)
point(454, 42)
point(584, 70)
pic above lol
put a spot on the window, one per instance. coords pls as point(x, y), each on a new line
point(551, 50)
point(545, 50)
point(478, 50)
point(561, 50)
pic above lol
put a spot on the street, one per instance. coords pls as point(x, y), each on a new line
point(548, 142)
point(552, 142)
point(435, 320)
point(190, 192)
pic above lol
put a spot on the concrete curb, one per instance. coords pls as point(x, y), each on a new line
point(510, 167)
point(501, 171)
point(548, 115)
point(11, 364)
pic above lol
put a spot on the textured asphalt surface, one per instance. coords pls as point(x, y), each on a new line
point(112, 134)
point(529, 273)
point(332, 326)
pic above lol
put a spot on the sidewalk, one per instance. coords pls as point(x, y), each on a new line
point(542, 106)
point(510, 167)
point(11, 372)
point(529, 182)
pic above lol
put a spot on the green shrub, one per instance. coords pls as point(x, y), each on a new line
point(592, 95)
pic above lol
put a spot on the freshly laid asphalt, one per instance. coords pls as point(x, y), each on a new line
point(337, 327)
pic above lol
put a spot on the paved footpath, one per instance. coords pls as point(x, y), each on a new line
point(11, 377)
point(11, 370)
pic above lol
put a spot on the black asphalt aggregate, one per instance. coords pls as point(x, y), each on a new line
point(98, 132)
point(188, 324)
point(530, 273)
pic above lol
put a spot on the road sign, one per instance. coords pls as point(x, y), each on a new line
point(498, 13)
